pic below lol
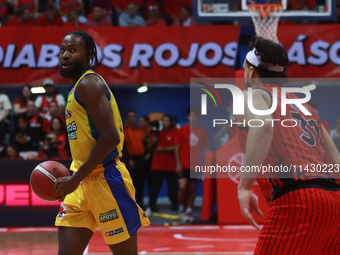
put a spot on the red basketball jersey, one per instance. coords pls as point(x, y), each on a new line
point(299, 148)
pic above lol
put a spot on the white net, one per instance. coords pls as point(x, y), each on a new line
point(266, 19)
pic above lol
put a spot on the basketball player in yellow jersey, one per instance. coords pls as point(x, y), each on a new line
point(100, 191)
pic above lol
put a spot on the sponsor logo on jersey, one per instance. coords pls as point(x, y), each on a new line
point(71, 131)
point(114, 232)
point(108, 216)
point(62, 211)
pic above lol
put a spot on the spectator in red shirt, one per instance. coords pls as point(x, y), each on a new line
point(190, 140)
point(51, 18)
point(99, 18)
point(53, 112)
point(31, 5)
point(24, 18)
point(172, 8)
point(66, 5)
point(20, 104)
point(54, 145)
point(184, 18)
point(32, 113)
point(42, 102)
point(154, 18)
point(163, 165)
point(73, 19)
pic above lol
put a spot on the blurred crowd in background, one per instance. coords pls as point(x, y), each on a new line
point(80, 13)
point(124, 13)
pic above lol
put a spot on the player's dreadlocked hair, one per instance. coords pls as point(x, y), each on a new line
point(90, 47)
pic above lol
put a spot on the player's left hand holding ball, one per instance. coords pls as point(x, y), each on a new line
point(65, 185)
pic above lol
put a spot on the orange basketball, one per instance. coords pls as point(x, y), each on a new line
point(44, 177)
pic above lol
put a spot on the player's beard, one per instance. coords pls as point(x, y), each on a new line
point(76, 70)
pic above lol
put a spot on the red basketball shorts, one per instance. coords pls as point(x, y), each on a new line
point(301, 222)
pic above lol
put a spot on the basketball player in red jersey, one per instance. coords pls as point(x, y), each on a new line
point(304, 214)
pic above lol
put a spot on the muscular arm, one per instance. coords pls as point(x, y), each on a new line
point(93, 94)
point(258, 144)
point(259, 138)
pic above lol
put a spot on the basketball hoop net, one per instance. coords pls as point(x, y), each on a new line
point(266, 18)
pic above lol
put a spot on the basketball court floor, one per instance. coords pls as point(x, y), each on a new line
point(179, 240)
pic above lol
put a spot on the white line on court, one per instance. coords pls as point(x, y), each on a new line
point(207, 239)
point(162, 249)
point(193, 227)
point(44, 229)
point(238, 227)
point(201, 246)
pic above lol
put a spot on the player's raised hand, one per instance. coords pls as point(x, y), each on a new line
point(249, 203)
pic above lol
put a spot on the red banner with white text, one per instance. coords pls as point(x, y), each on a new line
point(313, 50)
point(127, 56)
point(163, 54)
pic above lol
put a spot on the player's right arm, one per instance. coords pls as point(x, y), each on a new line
point(332, 152)
point(258, 144)
point(93, 94)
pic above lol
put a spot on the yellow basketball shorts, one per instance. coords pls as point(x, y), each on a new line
point(105, 200)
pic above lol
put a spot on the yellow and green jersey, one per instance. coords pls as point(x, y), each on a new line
point(82, 134)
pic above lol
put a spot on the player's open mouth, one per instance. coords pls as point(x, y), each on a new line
point(65, 65)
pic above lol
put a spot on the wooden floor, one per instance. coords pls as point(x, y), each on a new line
point(189, 240)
